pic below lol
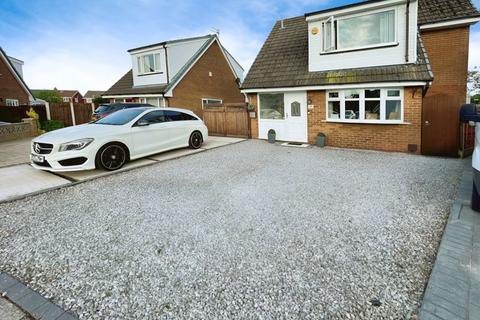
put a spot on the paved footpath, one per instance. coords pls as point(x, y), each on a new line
point(453, 291)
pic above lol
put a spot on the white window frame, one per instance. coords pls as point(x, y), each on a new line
point(337, 21)
point(209, 100)
point(157, 64)
point(66, 99)
point(383, 101)
point(11, 102)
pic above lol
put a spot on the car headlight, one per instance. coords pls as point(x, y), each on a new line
point(75, 145)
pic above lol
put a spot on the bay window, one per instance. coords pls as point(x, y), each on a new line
point(360, 31)
point(365, 105)
point(149, 63)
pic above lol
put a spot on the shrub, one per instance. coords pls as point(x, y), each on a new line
point(51, 125)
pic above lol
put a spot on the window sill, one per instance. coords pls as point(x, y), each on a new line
point(378, 122)
point(378, 46)
point(150, 74)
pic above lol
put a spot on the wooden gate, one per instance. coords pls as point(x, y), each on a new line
point(229, 119)
point(441, 125)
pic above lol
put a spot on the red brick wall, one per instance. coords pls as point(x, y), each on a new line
point(197, 83)
point(392, 137)
point(448, 53)
point(10, 88)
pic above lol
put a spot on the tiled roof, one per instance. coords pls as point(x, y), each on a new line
point(124, 86)
point(93, 94)
point(283, 62)
point(431, 11)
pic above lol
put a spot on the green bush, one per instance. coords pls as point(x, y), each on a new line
point(51, 125)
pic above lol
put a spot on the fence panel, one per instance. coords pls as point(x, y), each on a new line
point(16, 114)
point(83, 112)
point(61, 112)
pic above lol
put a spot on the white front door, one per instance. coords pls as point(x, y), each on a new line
point(288, 120)
point(296, 117)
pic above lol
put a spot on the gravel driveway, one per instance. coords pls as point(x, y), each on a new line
point(250, 231)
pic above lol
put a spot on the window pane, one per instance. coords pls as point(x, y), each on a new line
point(140, 69)
point(295, 109)
point(327, 35)
point(334, 110)
point(352, 94)
point(352, 109)
point(366, 30)
point(173, 116)
point(393, 110)
point(372, 110)
point(157, 61)
point(372, 93)
point(148, 64)
point(271, 106)
point(154, 117)
point(333, 95)
point(393, 93)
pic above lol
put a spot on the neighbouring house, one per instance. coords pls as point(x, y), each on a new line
point(383, 75)
point(13, 89)
point(185, 73)
point(66, 95)
point(91, 95)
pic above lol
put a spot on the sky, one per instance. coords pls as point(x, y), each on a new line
point(83, 45)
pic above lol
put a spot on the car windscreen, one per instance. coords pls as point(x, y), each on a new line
point(120, 117)
point(102, 108)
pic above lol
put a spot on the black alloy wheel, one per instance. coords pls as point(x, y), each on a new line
point(112, 157)
point(196, 140)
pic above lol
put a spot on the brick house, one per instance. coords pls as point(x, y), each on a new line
point(184, 73)
point(91, 95)
point(71, 96)
point(13, 89)
point(362, 73)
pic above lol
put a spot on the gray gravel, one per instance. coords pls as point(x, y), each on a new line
point(246, 231)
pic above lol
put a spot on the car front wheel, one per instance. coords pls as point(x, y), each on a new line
point(111, 157)
point(196, 140)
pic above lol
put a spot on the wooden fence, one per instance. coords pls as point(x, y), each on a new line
point(69, 113)
point(16, 114)
point(229, 119)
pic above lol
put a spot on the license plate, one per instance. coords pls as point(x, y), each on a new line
point(36, 158)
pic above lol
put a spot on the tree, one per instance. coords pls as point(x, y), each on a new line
point(51, 96)
point(100, 100)
point(474, 80)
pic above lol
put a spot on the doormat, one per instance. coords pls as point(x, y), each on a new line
point(295, 144)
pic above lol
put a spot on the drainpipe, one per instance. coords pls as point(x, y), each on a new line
point(407, 44)
point(166, 62)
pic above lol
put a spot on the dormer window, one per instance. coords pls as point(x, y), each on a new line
point(359, 31)
point(149, 63)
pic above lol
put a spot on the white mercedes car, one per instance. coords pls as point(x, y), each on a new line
point(119, 137)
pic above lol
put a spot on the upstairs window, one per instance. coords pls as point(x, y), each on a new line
point(358, 32)
point(149, 63)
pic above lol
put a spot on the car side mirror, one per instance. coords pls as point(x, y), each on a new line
point(142, 123)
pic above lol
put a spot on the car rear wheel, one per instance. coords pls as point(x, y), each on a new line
point(111, 157)
point(196, 140)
